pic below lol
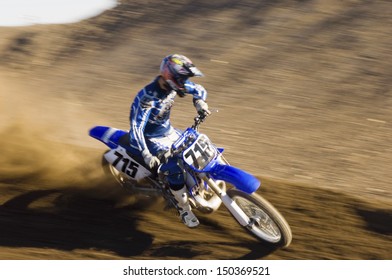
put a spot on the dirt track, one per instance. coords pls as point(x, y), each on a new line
point(303, 92)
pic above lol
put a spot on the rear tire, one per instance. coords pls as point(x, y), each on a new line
point(111, 171)
point(267, 224)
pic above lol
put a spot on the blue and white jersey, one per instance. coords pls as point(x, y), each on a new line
point(150, 111)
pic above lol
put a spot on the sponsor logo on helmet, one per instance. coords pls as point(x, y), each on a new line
point(177, 61)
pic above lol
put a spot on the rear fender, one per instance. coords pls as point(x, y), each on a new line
point(107, 135)
point(240, 179)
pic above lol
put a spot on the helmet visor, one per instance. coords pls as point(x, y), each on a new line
point(195, 71)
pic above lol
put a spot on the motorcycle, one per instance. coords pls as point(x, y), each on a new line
point(210, 180)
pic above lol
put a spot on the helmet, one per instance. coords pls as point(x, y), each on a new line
point(176, 69)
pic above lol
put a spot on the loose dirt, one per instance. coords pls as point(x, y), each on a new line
point(301, 93)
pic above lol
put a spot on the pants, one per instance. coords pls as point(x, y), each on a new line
point(172, 169)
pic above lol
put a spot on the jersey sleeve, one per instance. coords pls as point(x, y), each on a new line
point(140, 112)
point(198, 91)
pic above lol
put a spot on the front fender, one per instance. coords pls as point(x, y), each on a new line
point(240, 179)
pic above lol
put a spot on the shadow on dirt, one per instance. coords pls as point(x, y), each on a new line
point(69, 219)
point(379, 221)
point(191, 249)
point(75, 222)
point(66, 220)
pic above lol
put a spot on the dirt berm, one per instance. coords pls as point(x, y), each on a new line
point(301, 94)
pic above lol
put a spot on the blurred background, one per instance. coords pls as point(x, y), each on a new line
point(302, 91)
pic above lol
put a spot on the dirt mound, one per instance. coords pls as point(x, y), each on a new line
point(302, 86)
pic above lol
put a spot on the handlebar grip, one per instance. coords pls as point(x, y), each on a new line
point(165, 156)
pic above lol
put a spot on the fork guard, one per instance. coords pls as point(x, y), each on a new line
point(240, 179)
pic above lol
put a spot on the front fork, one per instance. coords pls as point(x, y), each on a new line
point(231, 205)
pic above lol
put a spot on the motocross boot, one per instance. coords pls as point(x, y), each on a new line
point(184, 208)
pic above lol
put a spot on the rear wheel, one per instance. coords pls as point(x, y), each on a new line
point(111, 171)
point(266, 223)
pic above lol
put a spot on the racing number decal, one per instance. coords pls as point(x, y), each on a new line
point(192, 153)
point(129, 167)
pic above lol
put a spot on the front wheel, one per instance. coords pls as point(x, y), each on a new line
point(266, 223)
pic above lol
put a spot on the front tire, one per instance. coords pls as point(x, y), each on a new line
point(266, 223)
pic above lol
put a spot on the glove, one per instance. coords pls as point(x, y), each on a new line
point(202, 107)
point(151, 161)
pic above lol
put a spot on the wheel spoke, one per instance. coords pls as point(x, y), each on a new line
point(260, 220)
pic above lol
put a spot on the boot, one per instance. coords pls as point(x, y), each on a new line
point(185, 210)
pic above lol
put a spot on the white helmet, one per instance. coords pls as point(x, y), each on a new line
point(176, 69)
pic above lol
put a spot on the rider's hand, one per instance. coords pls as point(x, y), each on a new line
point(151, 161)
point(202, 107)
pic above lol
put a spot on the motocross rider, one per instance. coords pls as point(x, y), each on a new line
point(151, 133)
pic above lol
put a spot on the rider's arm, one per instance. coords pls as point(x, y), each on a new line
point(140, 112)
point(199, 96)
point(198, 91)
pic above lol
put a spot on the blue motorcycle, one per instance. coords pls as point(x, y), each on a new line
point(210, 180)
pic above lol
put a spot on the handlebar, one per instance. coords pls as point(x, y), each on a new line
point(199, 119)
